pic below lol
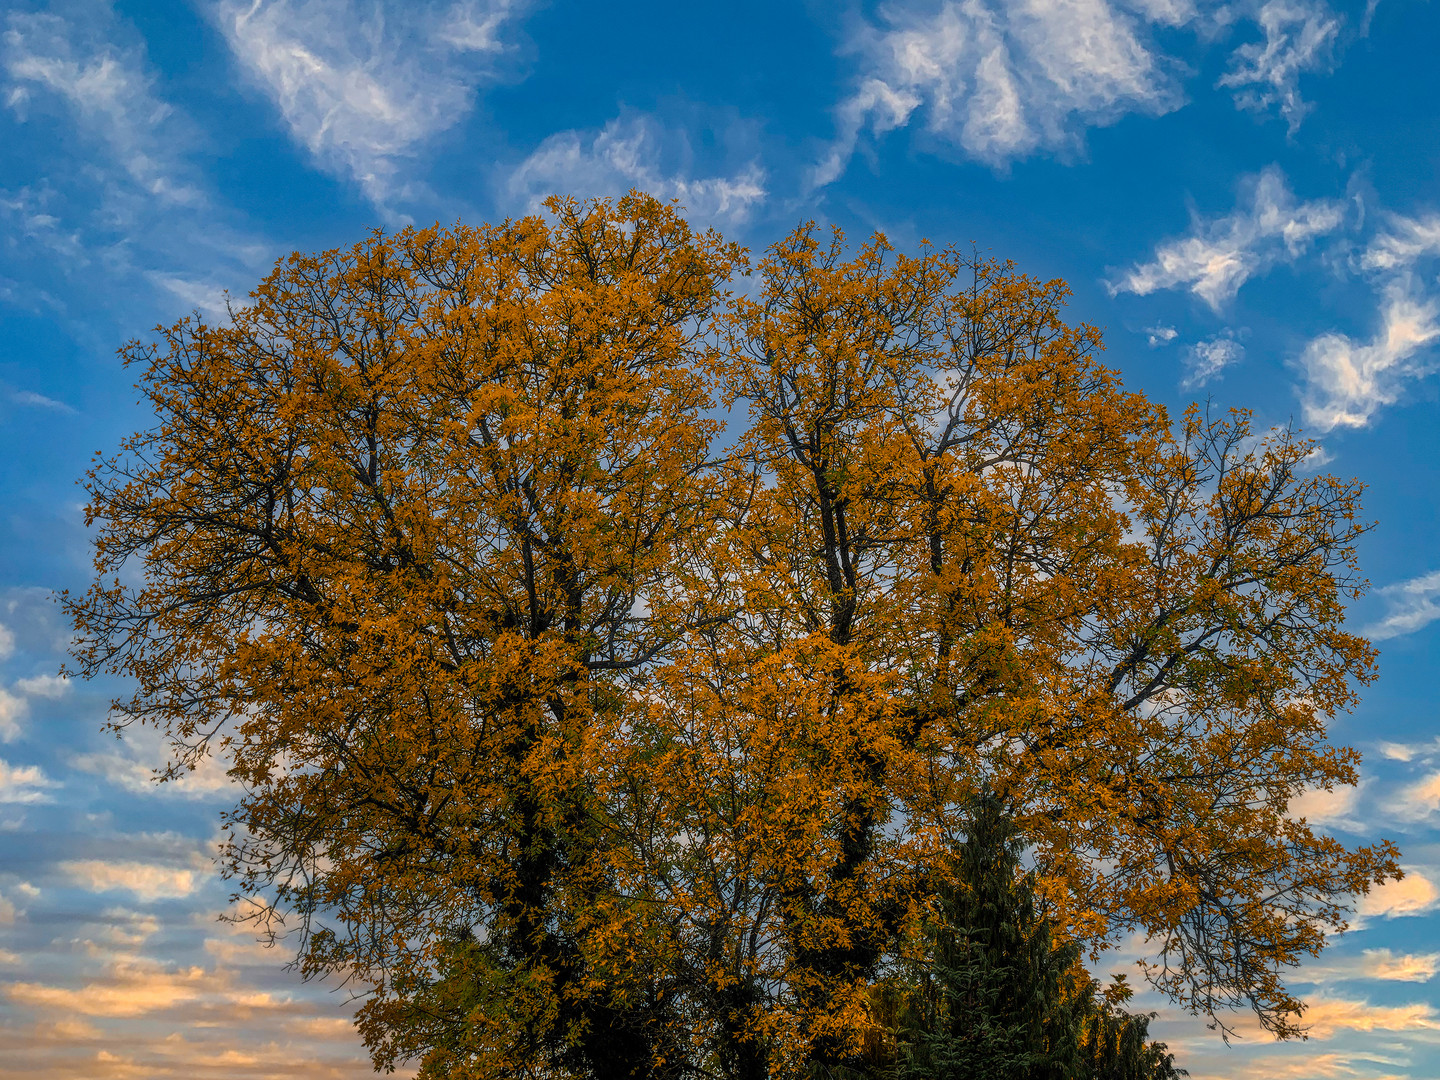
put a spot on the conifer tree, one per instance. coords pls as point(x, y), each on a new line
point(999, 996)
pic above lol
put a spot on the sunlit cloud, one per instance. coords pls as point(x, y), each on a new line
point(147, 881)
point(1414, 894)
point(1321, 807)
point(1348, 381)
point(1406, 967)
point(24, 783)
point(1331, 1065)
point(1326, 1017)
point(1269, 226)
point(1381, 965)
point(129, 989)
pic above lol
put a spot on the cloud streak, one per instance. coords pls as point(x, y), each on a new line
point(1412, 605)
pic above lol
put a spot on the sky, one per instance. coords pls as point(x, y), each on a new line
point(1242, 195)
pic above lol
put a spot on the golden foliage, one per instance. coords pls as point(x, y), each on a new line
point(595, 738)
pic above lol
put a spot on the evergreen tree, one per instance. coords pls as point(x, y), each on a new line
point(997, 996)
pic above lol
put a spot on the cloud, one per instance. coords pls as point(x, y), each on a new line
point(1219, 256)
point(1378, 964)
point(23, 783)
point(14, 706)
point(32, 400)
point(1407, 967)
point(1417, 801)
point(105, 86)
point(1157, 336)
point(1324, 1018)
point(628, 153)
point(1299, 37)
point(1347, 381)
point(360, 86)
point(148, 881)
point(1321, 807)
point(136, 760)
point(1412, 605)
point(1405, 242)
point(1414, 894)
point(115, 192)
point(1000, 80)
point(1207, 359)
point(1397, 751)
point(129, 990)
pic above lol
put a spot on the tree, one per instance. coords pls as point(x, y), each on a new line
point(995, 994)
point(592, 744)
point(991, 1001)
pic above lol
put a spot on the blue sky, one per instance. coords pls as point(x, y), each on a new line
point(1241, 194)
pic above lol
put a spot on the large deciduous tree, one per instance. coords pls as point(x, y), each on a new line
point(594, 741)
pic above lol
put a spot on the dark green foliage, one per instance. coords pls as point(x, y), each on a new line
point(1114, 1045)
point(996, 996)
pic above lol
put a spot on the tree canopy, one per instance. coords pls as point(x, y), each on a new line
point(606, 654)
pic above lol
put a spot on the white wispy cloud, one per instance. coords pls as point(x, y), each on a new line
point(632, 152)
point(1300, 36)
point(1206, 359)
point(106, 86)
point(1268, 226)
point(1411, 605)
point(1003, 79)
point(135, 761)
point(1000, 80)
point(1348, 381)
point(360, 86)
point(1404, 242)
point(117, 192)
point(32, 400)
point(15, 701)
